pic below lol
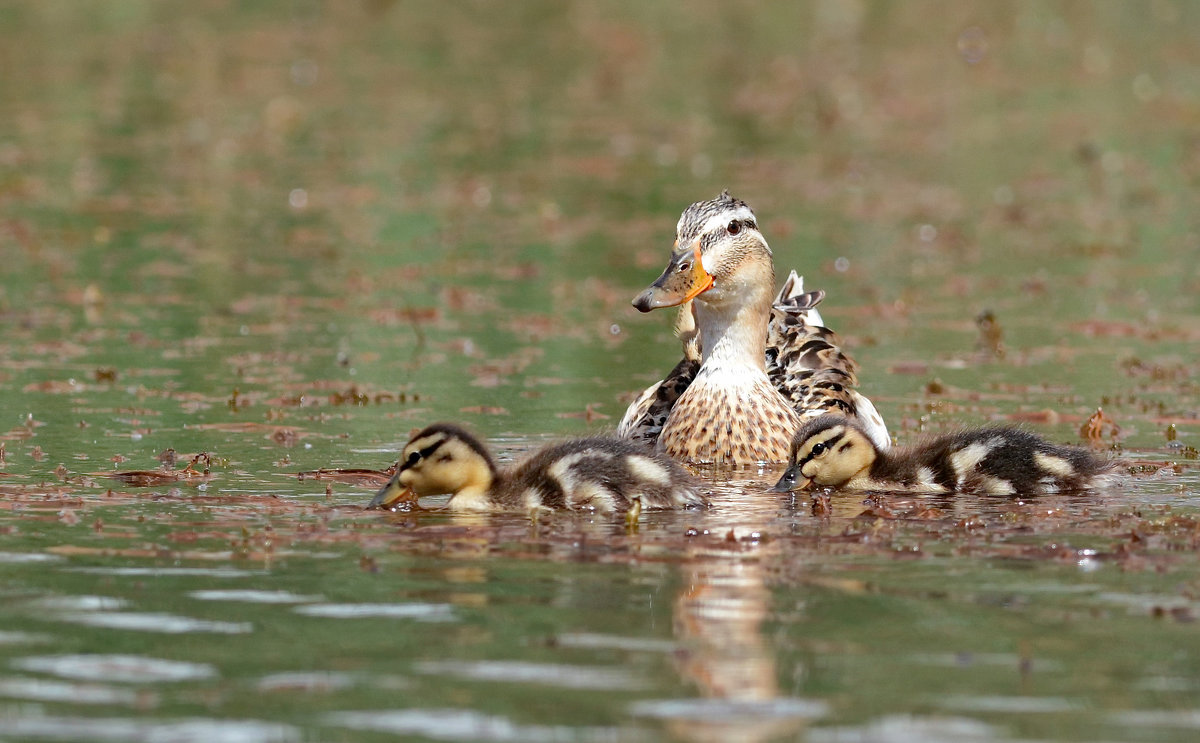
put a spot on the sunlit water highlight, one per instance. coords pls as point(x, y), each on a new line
point(122, 668)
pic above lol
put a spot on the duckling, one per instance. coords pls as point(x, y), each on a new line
point(834, 451)
point(755, 368)
point(599, 473)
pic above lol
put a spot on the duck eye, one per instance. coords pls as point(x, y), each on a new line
point(818, 449)
point(412, 459)
point(734, 227)
point(685, 267)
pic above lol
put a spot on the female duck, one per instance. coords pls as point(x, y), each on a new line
point(754, 368)
point(833, 451)
point(598, 474)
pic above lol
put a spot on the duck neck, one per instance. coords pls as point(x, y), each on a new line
point(733, 325)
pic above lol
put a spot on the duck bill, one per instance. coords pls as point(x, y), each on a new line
point(391, 494)
point(793, 479)
point(683, 279)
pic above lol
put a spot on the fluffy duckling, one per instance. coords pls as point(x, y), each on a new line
point(833, 451)
point(745, 395)
point(599, 473)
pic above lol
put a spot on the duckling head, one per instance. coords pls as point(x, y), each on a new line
point(719, 255)
point(828, 451)
point(442, 458)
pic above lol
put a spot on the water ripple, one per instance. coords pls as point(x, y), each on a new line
point(1145, 718)
point(43, 690)
point(908, 729)
point(1008, 705)
point(196, 730)
point(616, 642)
point(308, 681)
point(970, 660)
point(135, 571)
point(729, 710)
point(469, 725)
point(21, 638)
point(81, 603)
point(154, 622)
point(134, 669)
point(253, 596)
point(419, 612)
point(21, 557)
point(564, 676)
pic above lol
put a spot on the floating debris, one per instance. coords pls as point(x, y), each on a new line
point(1099, 426)
point(991, 335)
point(349, 475)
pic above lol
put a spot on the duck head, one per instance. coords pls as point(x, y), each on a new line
point(718, 251)
point(827, 451)
point(442, 458)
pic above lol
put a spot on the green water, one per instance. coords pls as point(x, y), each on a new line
point(284, 234)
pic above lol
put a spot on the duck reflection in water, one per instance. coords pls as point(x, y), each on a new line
point(718, 621)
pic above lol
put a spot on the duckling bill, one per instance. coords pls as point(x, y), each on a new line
point(833, 451)
point(598, 474)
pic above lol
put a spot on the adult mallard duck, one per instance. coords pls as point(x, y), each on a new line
point(596, 474)
point(835, 452)
point(756, 364)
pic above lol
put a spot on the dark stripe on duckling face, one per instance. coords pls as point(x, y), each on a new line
point(815, 445)
point(440, 433)
point(414, 458)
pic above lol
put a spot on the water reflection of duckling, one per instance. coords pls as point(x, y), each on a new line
point(833, 451)
point(600, 473)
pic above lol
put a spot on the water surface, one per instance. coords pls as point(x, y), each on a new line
point(283, 235)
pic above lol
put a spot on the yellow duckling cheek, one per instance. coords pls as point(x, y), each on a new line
point(812, 474)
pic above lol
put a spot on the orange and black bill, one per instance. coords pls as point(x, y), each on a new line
point(684, 279)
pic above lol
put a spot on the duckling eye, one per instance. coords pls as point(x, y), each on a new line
point(818, 449)
point(734, 227)
point(413, 459)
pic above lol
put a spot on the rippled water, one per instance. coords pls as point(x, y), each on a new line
point(283, 235)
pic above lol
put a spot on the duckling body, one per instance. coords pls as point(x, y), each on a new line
point(599, 473)
point(755, 367)
point(835, 452)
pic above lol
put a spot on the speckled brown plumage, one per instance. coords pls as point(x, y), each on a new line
point(771, 364)
point(720, 424)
